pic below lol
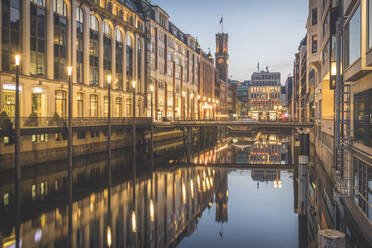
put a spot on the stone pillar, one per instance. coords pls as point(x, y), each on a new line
point(135, 67)
point(113, 60)
point(25, 29)
point(101, 76)
point(143, 64)
point(86, 46)
point(331, 239)
point(50, 40)
point(125, 66)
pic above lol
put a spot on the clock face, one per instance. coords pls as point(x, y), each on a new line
point(220, 61)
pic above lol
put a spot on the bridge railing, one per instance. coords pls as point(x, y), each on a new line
point(48, 122)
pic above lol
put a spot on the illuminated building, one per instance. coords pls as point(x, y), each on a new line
point(264, 96)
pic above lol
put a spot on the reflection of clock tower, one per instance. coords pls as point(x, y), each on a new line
point(222, 56)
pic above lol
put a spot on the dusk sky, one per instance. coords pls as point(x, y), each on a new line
point(268, 31)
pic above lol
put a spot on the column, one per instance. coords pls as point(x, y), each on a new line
point(125, 65)
point(72, 35)
point(113, 60)
point(135, 63)
point(1, 41)
point(50, 40)
point(86, 46)
point(101, 79)
point(143, 63)
point(26, 33)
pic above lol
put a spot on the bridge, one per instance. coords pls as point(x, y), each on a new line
point(238, 166)
point(51, 125)
point(239, 123)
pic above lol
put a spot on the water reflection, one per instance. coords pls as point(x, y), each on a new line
point(241, 191)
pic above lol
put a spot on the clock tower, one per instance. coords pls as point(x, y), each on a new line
point(222, 56)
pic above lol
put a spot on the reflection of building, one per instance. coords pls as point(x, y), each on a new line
point(165, 207)
point(264, 96)
point(265, 175)
point(221, 192)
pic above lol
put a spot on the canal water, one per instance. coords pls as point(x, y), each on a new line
point(238, 192)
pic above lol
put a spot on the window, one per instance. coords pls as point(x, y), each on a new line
point(326, 23)
point(352, 39)
point(129, 61)
point(38, 102)
point(107, 52)
point(119, 59)
point(94, 51)
point(37, 38)
point(61, 103)
point(105, 106)
point(93, 106)
point(314, 44)
point(9, 102)
point(79, 45)
point(118, 107)
point(80, 104)
point(10, 33)
point(314, 16)
point(60, 40)
point(363, 118)
point(129, 107)
point(363, 186)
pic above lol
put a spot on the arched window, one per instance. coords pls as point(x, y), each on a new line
point(121, 14)
point(93, 50)
point(79, 45)
point(60, 40)
point(107, 51)
point(37, 38)
point(129, 61)
point(119, 51)
point(11, 33)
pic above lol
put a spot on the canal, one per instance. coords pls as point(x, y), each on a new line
point(240, 191)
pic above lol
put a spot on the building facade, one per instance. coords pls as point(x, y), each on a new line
point(108, 40)
point(264, 96)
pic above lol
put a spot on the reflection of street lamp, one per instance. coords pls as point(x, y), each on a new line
point(17, 124)
point(134, 224)
point(183, 105)
point(109, 238)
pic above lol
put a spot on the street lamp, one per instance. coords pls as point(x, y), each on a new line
point(183, 105)
point(17, 123)
point(69, 139)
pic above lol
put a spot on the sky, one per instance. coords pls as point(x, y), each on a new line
point(268, 31)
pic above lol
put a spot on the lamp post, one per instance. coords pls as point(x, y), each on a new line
point(198, 107)
point(69, 149)
point(17, 124)
point(204, 109)
point(134, 117)
point(152, 126)
point(109, 125)
point(183, 105)
point(192, 105)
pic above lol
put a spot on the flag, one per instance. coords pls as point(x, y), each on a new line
point(221, 21)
